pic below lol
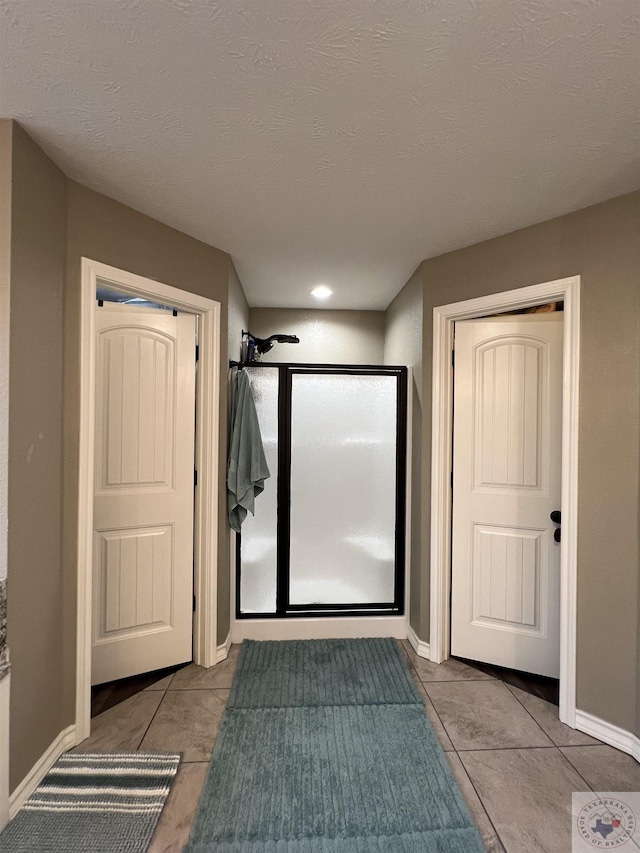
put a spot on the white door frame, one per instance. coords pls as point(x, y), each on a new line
point(207, 443)
point(444, 317)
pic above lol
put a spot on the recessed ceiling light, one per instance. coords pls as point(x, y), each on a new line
point(321, 292)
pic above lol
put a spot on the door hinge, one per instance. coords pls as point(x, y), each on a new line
point(197, 352)
point(194, 604)
point(453, 358)
point(451, 479)
point(195, 478)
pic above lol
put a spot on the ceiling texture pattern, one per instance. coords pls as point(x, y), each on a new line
point(331, 141)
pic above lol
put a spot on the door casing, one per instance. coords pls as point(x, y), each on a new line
point(444, 317)
point(285, 610)
point(207, 444)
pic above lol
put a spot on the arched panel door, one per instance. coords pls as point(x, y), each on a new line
point(505, 605)
point(143, 491)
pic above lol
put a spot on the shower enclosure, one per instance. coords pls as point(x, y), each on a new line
point(328, 534)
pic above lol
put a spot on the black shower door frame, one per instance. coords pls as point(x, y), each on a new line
point(284, 608)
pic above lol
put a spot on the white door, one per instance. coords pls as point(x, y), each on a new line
point(143, 491)
point(505, 596)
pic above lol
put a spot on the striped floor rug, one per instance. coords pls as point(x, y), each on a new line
point(97, 802)
point(325, 748)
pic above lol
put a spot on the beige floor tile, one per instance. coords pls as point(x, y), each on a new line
point(546, 715)
point(174, 826)
point(450, 670)
point(487, 831)
point(194, 677)
point(484, 715)
point(123, 726)
point(527, 795)
point(439, 729)
point(187, 721)
point(605, 768)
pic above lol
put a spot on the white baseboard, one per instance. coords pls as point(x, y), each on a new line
point(65, 740)
point(222, 651)
point(419, 646)
point(608, 733)
point(319, 628)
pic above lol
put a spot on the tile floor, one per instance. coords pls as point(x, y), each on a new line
point(514, 761)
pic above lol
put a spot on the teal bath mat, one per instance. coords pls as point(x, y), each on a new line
point(360, 771)
point(295, 673)
point(93, 803)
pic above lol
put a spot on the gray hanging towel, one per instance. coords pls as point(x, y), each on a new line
point(247, 467)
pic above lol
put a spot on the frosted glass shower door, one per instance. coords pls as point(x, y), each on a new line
point(344, 439)
point(257, 588)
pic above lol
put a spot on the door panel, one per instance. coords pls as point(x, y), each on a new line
point(505, 605)
point(137, 439)
point(143, 496)
point(343, 489)
point(509, 445)
point(258, 579)
point(507, 576)
point(328, 532)
point(134, 581)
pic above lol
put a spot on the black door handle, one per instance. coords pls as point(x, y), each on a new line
point(555, 516)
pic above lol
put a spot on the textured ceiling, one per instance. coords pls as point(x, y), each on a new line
point(336, 141)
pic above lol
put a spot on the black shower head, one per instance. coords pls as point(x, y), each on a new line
point(265, 344)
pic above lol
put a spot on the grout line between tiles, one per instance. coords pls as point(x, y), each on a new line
point(545, 733)
point(507, 749)
point(566, 745)
point(146, 731)
point(590, 787)
point(572, 765)
point(458, 752)
point(173, 675)
point(503, 748)
point(480, 800)
point(552, 744)
point(455, 752)
point(437, 713)
point(515, 696)
point(200, 690)
point(461, 680)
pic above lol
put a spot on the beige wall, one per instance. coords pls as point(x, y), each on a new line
point(403, 345)
point(6, 146)
point(601, 244)
point(326, 336)
point(104, 230)
point(52, 224)
point(35, 612)
point(238, 313)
